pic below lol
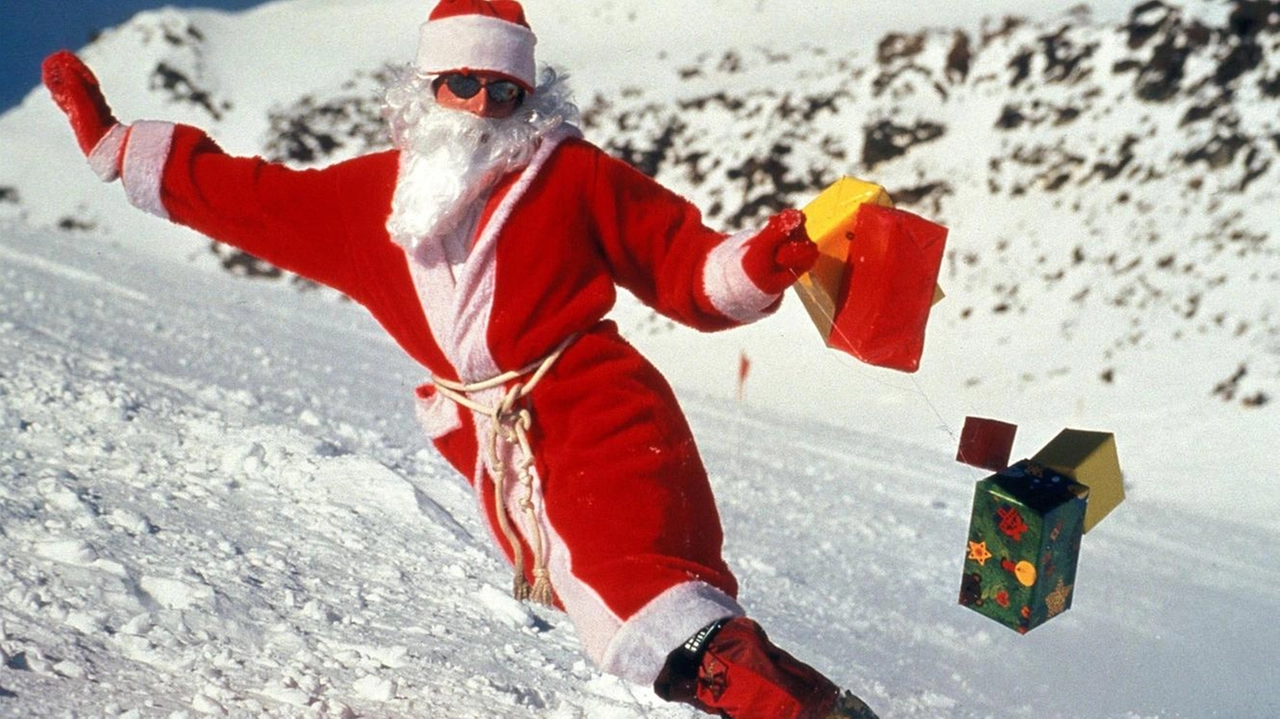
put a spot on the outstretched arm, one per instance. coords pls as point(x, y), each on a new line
point(301, 221)
point(659, 248)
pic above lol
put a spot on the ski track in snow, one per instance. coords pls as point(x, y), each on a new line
point(215, 502)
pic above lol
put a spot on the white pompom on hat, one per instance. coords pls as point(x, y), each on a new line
point(478, 35)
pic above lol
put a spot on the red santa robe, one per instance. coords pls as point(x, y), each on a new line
point(633, 539)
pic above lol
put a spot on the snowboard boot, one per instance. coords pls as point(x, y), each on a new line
point(732, 670)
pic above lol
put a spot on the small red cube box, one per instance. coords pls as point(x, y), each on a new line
point(986, 443)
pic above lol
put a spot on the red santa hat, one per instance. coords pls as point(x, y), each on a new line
point(488, 35)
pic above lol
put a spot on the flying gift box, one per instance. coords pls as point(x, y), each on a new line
point(986, 443)
point(1028, 520)
point(1024, 542)
point(870, 292)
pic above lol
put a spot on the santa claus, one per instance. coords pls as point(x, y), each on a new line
point(490, 242)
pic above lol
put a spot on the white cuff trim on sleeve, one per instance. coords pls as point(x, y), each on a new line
point(107, 155)
point(730, 290)
point(145, 155)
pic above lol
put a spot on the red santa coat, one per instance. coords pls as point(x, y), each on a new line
point(633, 538)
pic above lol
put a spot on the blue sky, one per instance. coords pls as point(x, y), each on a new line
point(31, 29)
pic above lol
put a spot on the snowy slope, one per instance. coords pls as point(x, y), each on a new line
point(214, 501)
point(209, 484)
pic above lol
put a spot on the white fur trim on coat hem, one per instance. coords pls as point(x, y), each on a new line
point(640, 648)
point(145, 155)
point(730, 290)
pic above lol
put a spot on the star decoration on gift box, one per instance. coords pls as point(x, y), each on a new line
point(979, 553)
point(1057, 599)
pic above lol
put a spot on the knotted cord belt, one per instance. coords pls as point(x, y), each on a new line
point(510, 421)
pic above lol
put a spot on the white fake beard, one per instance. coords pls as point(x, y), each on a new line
point(451, 159)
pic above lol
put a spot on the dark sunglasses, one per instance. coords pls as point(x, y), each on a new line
point(466, 86)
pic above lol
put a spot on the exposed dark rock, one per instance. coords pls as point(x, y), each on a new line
point(885, 140)
point(1007, 26)
point(1173, 41)
point(1146, 20)
point(1111, 170)
point(244, 264)
point(1244, 57)
point(1226, 389)
point(1250, 18)
point(1197, 113)
point(1160, 76)
point(181, 88)
point(896, 47)
point(1065, 60)
point(310, 131)
point(926, 198)
point(959, 57)
point(1219, 151)
point(768, 185)
point(1011, 118)
point(1270, 86)
point(649, 157)
point(1020, 64)
point(75, 224)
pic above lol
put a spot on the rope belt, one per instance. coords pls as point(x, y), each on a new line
point(510, 421)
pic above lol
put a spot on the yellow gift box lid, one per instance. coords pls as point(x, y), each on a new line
point(1089, 458)
point(831, 214)
point(829, 220)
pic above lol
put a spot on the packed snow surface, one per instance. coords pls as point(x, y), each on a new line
point(214, 499)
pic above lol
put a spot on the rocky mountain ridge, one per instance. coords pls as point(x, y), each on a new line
point(1116, 182)
point(1136, 162)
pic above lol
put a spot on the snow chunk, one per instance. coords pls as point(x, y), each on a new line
point(177, 594)
point(129, 521)
point(375, 688)
point(337, 710)
point(82, 622)
point(68, 551)
point(60, 498)
point(243, 459)
point(292, 696)
point(505, 608)
point(208, 705)
point(70, 670)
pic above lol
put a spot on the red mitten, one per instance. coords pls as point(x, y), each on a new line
point(779, 253)
point(76, 92)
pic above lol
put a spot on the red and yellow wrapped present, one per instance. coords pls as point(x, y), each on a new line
point(875, 280)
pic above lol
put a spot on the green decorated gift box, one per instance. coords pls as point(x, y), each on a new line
point(1024, 540)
